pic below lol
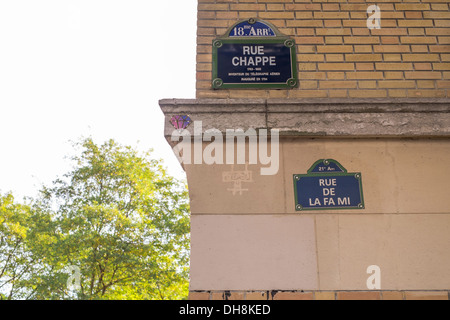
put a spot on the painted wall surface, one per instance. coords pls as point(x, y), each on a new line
point(257, 241)
point(402, 176)
point(319, 251)
point(235, 252)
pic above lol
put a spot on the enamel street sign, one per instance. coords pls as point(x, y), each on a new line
point(328, 185)
point(254, 54)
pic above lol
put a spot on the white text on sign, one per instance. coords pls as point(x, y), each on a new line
point(327, 190)
point(253, 56)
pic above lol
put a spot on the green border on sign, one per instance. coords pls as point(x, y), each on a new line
point(357, 175)
point(217, 83)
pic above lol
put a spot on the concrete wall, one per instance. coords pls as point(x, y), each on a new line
point(257, 241)
point(400, 176)
point(249, 242)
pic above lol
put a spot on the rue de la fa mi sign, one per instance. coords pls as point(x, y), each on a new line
point(254, 54)
point(327, 186)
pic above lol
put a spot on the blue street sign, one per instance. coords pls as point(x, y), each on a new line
point(254, 54)
point(328, 185)
point(244, 63)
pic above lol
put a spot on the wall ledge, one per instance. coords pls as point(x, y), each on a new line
point(355, 118)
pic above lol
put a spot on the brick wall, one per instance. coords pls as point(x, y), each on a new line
point(338, 56)
point(319, 295)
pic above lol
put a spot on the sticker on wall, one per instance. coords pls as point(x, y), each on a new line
point(180, 122)
point(327, 185)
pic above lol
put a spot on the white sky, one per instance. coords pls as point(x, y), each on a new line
point(88, 67)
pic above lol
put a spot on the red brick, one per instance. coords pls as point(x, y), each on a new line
point(390, 32)
point(415, 23)
point(364, 75)
point(257, 295)
point(394, 84)
point(420, 57)
point(397, 93)
point(217, 295)
point(419, 48)
point(236, 295)
point(441, 66)
point(303, 6)
point(362, 40)
point(418, 40)
point(427, 84)
point(308, 93)
point(336, 66)
point(443, 84)
point(353, 7)
point(431, 93)
point(391, 48)
point(392, 295)
point(312, 75)
point(366, 93)
point(440, 48)
point(287, 295)
point(364, 48)
point(412, 6)
point(393, 66)
point(338, 84)
point(334, 49)
point(334, 57)
point(336, 93)
point(324, 295)
point(363, 57)
point(413, 15)
point(422, 75)
point(422, 66)
point(364, 66)
point(198, 295)
point(393, 75)
point(389, 40)
point(335, 75)
point(309, 40)
point(426, 295)
point(358, 295)
point(331, 15)
point(332, 23)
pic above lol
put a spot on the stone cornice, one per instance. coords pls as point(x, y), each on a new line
point(352, 118)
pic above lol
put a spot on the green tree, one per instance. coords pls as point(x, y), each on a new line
point(21, 228)
point(14, 262)
point(117, 216)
